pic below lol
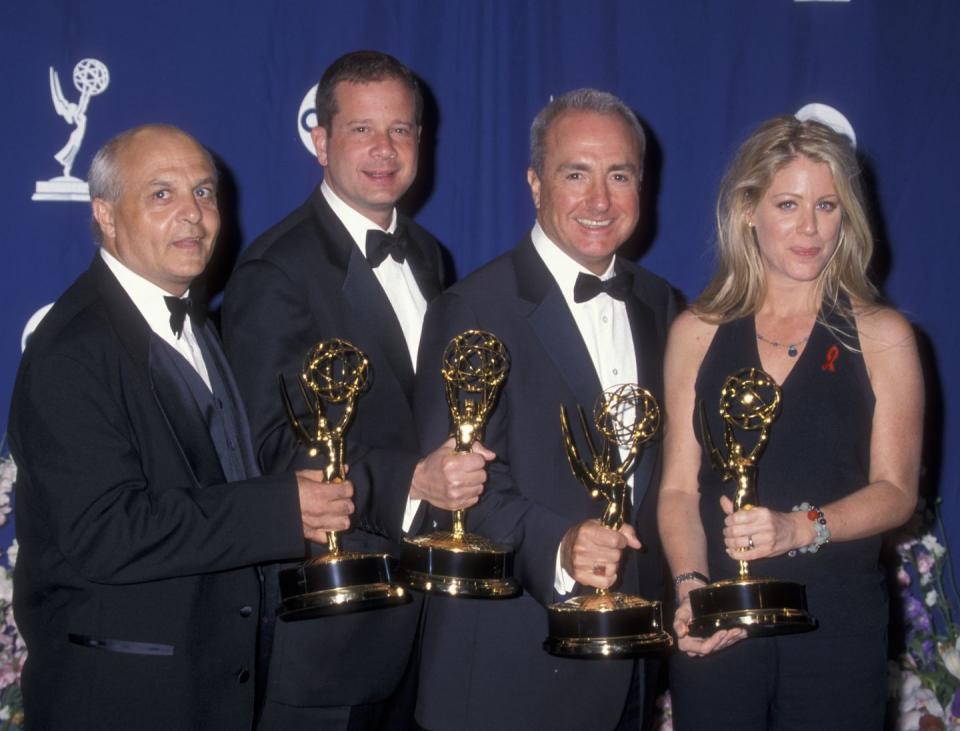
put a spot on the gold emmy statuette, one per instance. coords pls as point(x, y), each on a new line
point(334, 373)
point(475, 365)
point(608, 623)
point(749, 401)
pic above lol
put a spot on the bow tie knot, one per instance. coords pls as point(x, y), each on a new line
point(179, 308)
point(381, 244)
point(588, 286)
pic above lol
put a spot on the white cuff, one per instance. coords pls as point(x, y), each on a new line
point(409, 513)
point(563, 582)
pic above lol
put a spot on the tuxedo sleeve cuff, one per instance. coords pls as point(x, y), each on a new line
point(409, 513)
point(563, 582)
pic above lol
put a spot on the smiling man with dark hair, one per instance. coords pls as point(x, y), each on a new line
point(347, 264)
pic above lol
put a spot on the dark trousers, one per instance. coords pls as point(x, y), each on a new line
point(808, 682)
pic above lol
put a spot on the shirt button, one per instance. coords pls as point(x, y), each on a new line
point(243, 676)
point(246, 611)
point(603, 319)
point(616, 372)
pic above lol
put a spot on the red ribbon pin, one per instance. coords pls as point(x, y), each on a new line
point(832, 354)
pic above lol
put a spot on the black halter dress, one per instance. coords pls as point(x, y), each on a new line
point(818, 452)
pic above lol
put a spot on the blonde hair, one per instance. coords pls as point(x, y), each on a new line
point(737, 289)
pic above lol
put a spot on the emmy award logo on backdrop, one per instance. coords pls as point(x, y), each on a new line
point(90, 77)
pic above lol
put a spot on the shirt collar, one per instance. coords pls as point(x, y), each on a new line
point(563, 268)
point(356, 223)
point(146, 295)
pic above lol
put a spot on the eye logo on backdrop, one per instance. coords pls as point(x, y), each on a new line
point(830, 116)
point(90, 77)
point(307, 119)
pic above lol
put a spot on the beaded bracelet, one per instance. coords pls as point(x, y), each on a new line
point(816, 515)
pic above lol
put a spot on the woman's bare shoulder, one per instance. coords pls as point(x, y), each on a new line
point(689, 330)
point(882, 329)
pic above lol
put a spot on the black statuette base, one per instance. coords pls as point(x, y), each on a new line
point(606, 626)
point(338, 584)
point(440, 564)
point(763, 607)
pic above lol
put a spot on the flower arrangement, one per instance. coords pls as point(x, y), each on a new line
point(13, 652)
point(927, 679)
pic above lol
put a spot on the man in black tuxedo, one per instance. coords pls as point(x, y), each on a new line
point(140, 512)
point(576, 319)
point(347, 265)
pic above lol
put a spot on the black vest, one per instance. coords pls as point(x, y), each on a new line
point(222, 408)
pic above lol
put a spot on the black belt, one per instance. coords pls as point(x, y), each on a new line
point(130, 648)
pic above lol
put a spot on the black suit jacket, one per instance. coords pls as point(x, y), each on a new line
point(303, 281)
point(135, 588)
point(483, 664)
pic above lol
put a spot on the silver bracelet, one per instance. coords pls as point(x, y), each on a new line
point(689, 576)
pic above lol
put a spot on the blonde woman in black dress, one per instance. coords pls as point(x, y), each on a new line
point(791, 296)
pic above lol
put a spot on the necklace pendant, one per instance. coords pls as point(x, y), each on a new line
point(792, 351)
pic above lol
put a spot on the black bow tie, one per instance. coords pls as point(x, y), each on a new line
point(589, 286)
point(179, 308)
point(380, 244)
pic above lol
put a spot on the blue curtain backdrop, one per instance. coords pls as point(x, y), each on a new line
point(701, 74)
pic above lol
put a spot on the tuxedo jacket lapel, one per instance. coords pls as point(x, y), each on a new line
point(370, 311)
point(176, 403)
point(424, 267)
point(375, 315)
point(646, 343)
point(552, 322)
point(644, 331)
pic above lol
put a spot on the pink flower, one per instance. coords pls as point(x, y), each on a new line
point(905, 548)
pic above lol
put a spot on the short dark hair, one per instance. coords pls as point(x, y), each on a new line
point(581, 100)
point(362, 67)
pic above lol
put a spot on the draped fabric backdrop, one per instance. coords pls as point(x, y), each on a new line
point(701, 75)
